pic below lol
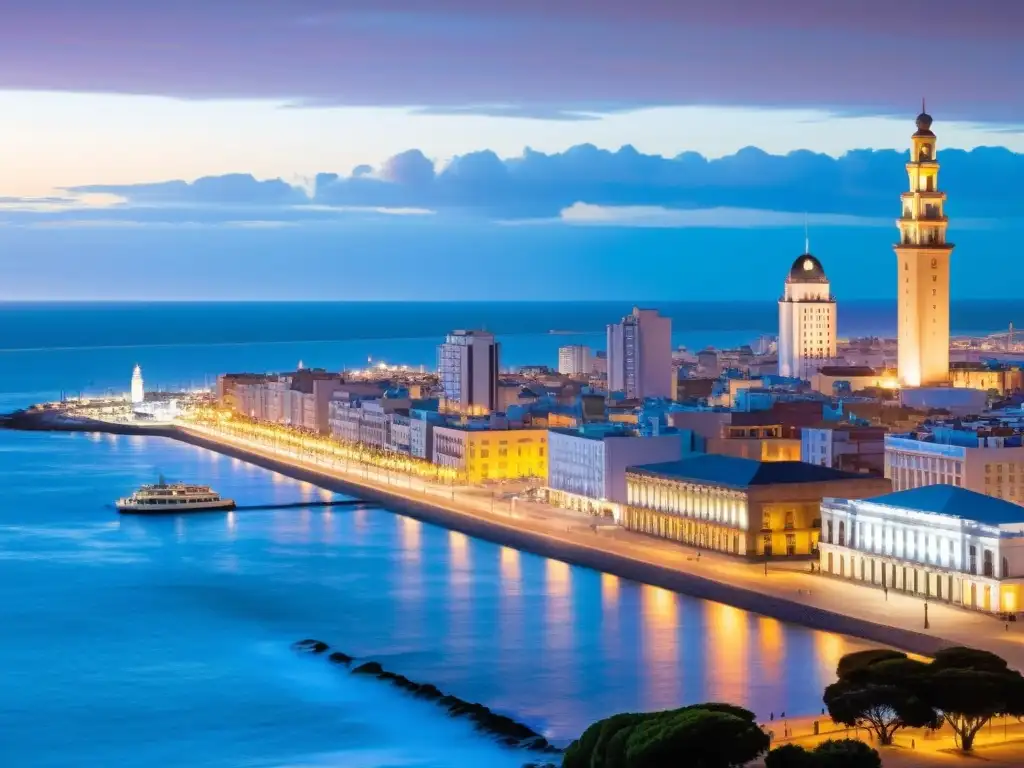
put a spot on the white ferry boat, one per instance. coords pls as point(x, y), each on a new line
point(172, 498)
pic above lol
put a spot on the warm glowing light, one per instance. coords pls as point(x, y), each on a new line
point(609, 590)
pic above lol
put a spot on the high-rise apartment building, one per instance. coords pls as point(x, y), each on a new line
point(467, 364)
point(640, 355)
point(922, 256)
point(575, 360)
point(807, 320)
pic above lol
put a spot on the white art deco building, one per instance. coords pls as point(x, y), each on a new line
point(807, 320)
point(138, 387)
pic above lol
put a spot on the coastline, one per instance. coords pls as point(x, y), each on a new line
point(602, 555)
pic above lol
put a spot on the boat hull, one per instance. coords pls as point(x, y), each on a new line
point(128, 508)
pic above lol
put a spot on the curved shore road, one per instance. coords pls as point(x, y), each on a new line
point(789, 592)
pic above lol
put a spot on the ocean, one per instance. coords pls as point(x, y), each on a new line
point(47, 348)
point(166, 642)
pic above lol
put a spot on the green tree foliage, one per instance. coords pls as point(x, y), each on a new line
point(846, 753)
point(880, 690)
point(706, 735)
point(790, 756)
point(969, 688)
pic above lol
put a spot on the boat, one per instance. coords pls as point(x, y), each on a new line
point(172, 498)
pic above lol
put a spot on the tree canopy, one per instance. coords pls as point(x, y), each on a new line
point(710, 735)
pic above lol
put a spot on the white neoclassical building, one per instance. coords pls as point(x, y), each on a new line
point(939, 542)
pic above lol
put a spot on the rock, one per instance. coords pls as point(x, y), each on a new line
point(369, 668)
point(340, 658)
point(311, 646)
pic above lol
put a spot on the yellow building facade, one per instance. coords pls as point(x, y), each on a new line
point(737, 506)
point(481, 455)
point(923, 256)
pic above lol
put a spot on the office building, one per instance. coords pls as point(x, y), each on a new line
point(575, 360)
point(467, 365)
point(640, 355)
point(938, 542)
point(922, 256)
point(587, 464)
point(478, 453)
point(807, 320)
point(982, 461)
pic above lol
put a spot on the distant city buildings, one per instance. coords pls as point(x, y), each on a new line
point(807, 320)
point(848, 447)
point(575, 360)
point(467, 365)
point(923, 256)
point(640, 356)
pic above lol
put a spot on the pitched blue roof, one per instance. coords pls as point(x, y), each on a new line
point(735, 472)
point(952, 500)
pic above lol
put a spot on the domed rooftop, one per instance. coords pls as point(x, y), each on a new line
point(924, 122)
point(807, 269)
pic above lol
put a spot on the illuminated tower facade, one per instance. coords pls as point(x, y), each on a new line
point(807, 319)
point(138, 388)
point(923, 256)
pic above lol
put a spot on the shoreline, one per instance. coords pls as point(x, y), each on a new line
point(602, 558)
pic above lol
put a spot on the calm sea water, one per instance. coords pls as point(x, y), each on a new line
point(92, 347)
point(165, 642)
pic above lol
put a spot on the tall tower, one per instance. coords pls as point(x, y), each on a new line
point(923, 255)
point(138, 388)
point(807, 319)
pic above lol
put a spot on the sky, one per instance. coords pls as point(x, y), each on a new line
point(461, 121)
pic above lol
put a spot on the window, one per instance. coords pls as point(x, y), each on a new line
point(1005, 573)
point(988, 567)
point(842, 533)
point(790, 544)
point(789, 520)
point(766, 521)
point(829, 539)
point(972, 566)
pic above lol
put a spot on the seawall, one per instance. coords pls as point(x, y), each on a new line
point(597, 559)
point(504, 533)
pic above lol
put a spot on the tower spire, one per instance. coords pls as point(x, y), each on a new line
point(807, 237)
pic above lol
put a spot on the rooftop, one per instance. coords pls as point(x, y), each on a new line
point(734, 472)
point(954, 501)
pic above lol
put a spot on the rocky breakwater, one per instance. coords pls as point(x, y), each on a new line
point(506, 730)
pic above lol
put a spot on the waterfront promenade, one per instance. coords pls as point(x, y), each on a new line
point(789, 592)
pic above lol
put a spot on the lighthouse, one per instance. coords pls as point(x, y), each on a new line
point(138, 389)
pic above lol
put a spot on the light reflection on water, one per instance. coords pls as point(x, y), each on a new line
point(199, 601)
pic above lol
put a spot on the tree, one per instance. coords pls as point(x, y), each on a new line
point(970, 687)
point(702, 737)
point(710, 735)
point(846, 753)
point(879, 690)
point(790, 756)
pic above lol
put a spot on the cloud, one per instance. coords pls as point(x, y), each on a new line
point(717, 218)
point(625, 183)
point(542, 59)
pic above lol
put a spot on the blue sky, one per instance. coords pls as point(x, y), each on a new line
point(150, 129)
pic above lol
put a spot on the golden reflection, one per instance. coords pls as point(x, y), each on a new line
point(558, 605)
point(458, 546)
point(659, 610)
point(728, 638)
point(830, 648)
point(276, 478)
point(609, 592)
point(232, 522)
point(509, 564)
point(772, 643)
point(409, 534)
point(326, 495)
